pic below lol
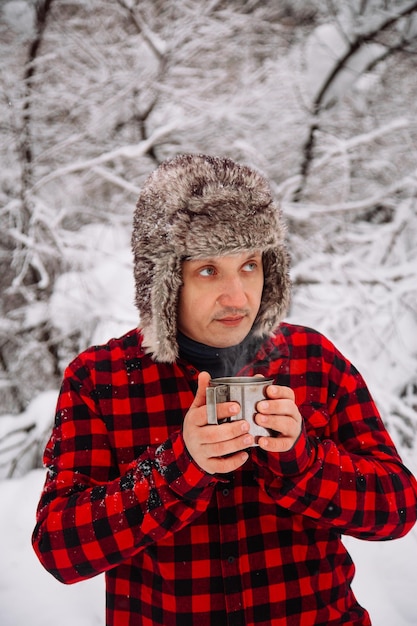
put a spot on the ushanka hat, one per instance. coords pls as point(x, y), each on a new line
point(197, 206)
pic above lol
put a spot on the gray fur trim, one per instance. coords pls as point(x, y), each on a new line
point(194, 206)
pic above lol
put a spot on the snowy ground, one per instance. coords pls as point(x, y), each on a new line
point(386, 581)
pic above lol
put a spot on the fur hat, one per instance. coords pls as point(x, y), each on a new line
point(195, 206)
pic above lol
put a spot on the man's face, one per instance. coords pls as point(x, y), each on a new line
point(220, 298)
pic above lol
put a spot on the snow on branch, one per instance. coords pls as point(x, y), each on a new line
point(23, 437)
point(304, 211)
point(346, 145)
point(337, 55)
point(132, 151)
point(116, 180)
point(157, 45)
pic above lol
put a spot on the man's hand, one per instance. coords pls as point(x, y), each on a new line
point(280, 414)
point(215, 448)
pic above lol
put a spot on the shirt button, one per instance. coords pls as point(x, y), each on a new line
point(226, 492)
point(230, 559)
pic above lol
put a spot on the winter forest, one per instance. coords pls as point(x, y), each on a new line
point(318, 95)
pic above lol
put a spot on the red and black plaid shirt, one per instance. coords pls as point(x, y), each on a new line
point(182, 547)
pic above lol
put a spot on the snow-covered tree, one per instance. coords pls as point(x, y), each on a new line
point(318, 95)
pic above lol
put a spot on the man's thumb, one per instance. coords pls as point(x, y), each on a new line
point(200, 396)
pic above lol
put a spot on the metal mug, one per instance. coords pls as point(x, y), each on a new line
point(247, 391)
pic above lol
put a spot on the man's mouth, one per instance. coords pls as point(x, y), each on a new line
point(230, 319)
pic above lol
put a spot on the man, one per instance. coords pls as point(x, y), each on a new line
point(191, 522)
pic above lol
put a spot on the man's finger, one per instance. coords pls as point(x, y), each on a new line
point(280, 392)
point(200, 396)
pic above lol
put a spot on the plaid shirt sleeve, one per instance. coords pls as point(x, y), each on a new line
point(343, 471)
point(91, 516)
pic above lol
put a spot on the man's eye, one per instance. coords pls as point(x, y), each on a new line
point(207, 271)
point(250, 266)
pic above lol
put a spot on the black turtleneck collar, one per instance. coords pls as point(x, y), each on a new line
point(218, 361)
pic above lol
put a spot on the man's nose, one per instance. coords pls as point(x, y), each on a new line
point(232, 293)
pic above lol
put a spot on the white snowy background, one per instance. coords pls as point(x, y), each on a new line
point(320, 96)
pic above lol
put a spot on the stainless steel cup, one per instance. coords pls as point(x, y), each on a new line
point(246, 390)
